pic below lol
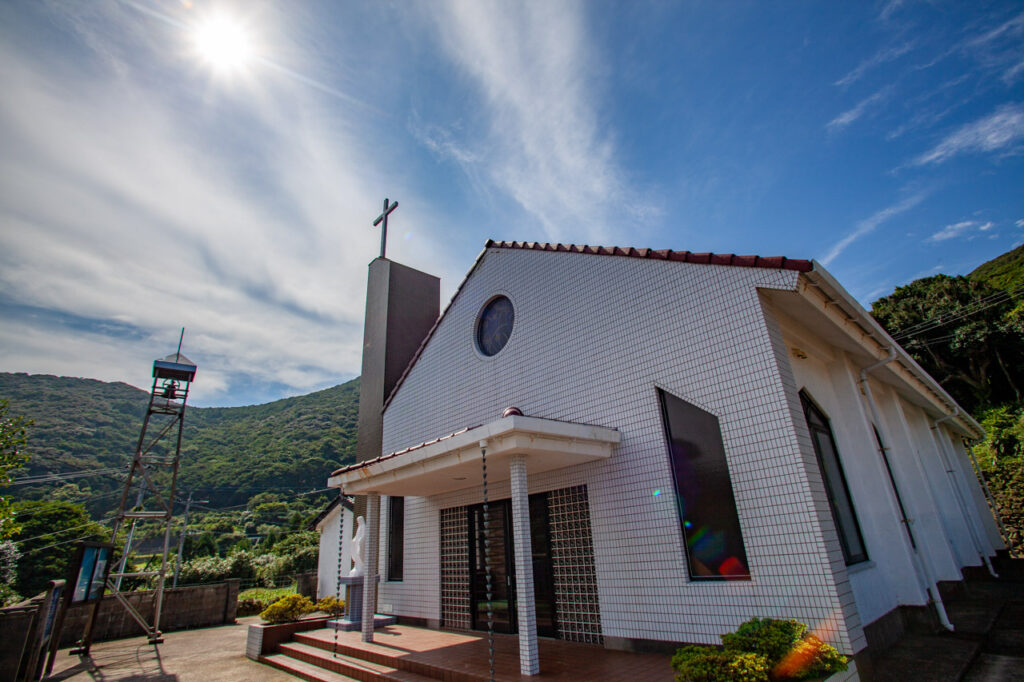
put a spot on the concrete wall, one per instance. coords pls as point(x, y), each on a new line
point(594, 339)
point(183, 608)
point(17, 631)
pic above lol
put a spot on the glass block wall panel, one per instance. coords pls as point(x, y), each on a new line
point(455, 611)
point(572, 549)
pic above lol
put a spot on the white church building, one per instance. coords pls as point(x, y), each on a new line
point(673, 443)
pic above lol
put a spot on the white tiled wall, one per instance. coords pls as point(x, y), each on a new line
point(889, 578)
point(327, 568)
point(593, 338)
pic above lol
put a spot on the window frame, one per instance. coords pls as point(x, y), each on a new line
point(831, 489)
point(710, 515)
point(396, 539)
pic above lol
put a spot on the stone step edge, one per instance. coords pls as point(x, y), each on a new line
point(303, 670)
point(352, 666)
point(427, 670)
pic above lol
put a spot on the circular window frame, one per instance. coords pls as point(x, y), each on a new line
point(478, 321)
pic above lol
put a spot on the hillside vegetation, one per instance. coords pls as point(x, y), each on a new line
point(254, 470)
point(229, 454)
point(968, 332)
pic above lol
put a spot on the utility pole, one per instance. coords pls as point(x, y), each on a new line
point(181, 540)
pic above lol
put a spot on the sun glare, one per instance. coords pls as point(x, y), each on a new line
point(224, 44)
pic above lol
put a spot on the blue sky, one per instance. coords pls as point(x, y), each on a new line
point(146, 186)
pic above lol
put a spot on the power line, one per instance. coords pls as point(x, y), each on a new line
point(63, 476)
point(55, 544)
point(968, 311)
point(57, 503)
point(65, 530)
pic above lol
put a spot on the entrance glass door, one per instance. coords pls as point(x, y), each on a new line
point(500, 559)
point(502, 562)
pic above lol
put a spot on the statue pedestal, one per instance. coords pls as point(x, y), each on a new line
point(353, 619)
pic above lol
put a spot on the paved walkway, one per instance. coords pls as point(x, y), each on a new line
point(205, 655)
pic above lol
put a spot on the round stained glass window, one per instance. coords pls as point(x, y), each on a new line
point(494, 326)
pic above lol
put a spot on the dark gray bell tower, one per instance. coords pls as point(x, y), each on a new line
point(402, 305)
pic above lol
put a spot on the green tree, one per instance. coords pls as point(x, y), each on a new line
point(13, 435)
point(963, 332)
point(47, 541)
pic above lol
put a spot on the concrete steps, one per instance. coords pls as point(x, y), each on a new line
point(303, 670)
point(987, 644)
point(315, 660)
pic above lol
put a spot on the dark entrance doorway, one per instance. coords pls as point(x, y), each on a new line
point(502, 564)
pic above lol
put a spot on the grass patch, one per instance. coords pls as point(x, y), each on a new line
point(267, 595)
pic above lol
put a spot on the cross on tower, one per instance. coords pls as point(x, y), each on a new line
point(383, 217)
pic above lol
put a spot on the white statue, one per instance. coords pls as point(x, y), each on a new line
point(358, 549)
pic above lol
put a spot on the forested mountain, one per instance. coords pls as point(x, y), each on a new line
point(228, 454)
point(1005, 272)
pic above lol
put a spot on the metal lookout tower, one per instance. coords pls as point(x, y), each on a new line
point(155, 465)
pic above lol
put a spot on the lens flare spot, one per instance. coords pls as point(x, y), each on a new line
point(657, 492)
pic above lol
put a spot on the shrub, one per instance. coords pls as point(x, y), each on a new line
point(331, 605)
point(761, 649)
point(709, 664)
point(288, 609)
point(771, 638)
point(250, 607)
point(810, 657)
point(211, 569)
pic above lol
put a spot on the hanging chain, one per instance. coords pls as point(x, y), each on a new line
point(341, 551)
point(487, 566)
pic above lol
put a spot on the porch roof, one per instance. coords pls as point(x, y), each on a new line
point(452, 462)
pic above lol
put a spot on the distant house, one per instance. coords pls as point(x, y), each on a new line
point(327, 524)
point(698, 439)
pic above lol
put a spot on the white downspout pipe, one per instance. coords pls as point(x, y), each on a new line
point(920, 563)
point(953, 480)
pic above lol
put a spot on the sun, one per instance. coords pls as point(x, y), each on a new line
point(224, 44)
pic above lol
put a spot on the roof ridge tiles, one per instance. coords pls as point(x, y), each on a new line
point(698, 258)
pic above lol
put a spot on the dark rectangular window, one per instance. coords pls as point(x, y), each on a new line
point(396, 537)
point(703, 490)
point(839, 499)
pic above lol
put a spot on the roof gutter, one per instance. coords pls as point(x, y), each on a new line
point(820, 288)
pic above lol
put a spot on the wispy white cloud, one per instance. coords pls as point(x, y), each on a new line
point(849, 116)
point(1010, 28)
point(950, 231)
point(967, 228)
point(871, 223)
point(123, 201)
point(536, 70)
point(883, 56)
point(1011, 74)
point(889, 8)
point(998, 130)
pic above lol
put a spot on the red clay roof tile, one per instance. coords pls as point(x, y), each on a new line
point(774, 262)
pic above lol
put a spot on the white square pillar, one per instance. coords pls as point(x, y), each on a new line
point(372, 552)
point(529, 659)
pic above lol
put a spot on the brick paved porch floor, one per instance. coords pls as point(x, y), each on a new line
point(418, 653)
